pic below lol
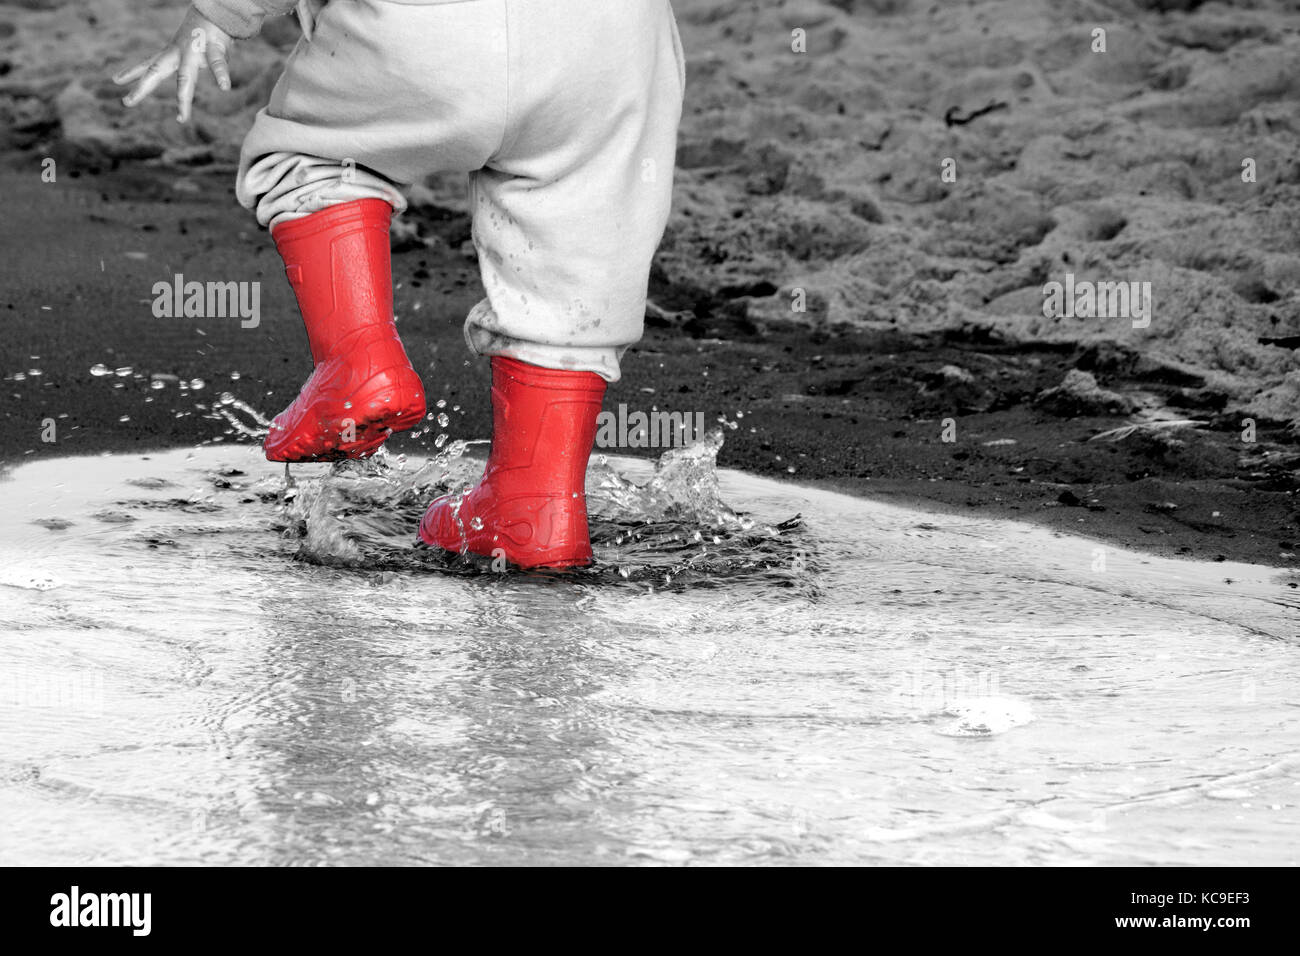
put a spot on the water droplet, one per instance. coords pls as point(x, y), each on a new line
point(99, 370)
point(347, 404)
point(156, 384)
point(443, 420)
point(234, 376)
point(34, 372)
point(476, 523)
point(19, 377)
point(442, 403)
point(440, 440)
point(124, 371)
point(197, 383)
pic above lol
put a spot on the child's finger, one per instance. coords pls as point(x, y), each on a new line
point(306, 19)
point(187, 77)
point(218, 65)
point(161, 68)
point(133, 73)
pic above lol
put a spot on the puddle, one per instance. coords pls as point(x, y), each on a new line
point(204, 665)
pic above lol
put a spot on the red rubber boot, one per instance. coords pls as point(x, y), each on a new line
point(530, 506)
point(363, 388)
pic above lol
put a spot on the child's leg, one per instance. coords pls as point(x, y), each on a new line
point(385, 94)
point(570, 210)
point(567, 216)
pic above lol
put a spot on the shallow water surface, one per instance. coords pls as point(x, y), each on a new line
point(203, 663)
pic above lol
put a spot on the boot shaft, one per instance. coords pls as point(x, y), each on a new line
point(543, 427)
point(339, 263)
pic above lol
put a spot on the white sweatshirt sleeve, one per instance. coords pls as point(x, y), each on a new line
point(242, 18)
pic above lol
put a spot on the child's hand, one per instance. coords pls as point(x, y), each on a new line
point(198, 39)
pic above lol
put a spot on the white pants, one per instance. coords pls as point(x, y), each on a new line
point(564, 114)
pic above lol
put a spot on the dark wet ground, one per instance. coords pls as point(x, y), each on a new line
point(861, 411)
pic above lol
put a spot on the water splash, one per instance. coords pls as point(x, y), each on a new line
point(673, 529)
point(684, 488)
point(225, 408)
